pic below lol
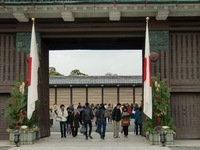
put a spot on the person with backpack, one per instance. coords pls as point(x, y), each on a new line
point(116, 116)
point(101, 115)
point(87, 117)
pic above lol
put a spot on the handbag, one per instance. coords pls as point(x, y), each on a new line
point(126, 122)
point(69, 128)
point(83, 129)
point(58, 119)
point(106, 114)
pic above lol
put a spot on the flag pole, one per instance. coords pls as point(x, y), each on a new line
point(33, 19)
point(147, 19)
point(32, 74)
point(147, 75)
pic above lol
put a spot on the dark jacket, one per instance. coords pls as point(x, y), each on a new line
point(81, 117)
point(100, 113)
point(138, 117)
point(116, 114)
point(69, 117)
point(125, 117)
point(87, 114)
point(74, 121)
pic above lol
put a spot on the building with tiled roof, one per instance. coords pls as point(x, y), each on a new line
point(95, 89)
point(110, 81)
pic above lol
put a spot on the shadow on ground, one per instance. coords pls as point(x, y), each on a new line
point(4, 147)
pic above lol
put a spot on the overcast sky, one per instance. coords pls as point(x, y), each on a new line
point(97, 62)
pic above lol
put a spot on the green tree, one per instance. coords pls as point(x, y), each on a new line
point(17, 106)
point(52, 72)
point(77, 72)
point(110, 74)
point(161, 106)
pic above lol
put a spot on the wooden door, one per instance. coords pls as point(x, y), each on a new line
point(185, 111)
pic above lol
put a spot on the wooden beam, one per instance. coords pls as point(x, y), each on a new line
point(71, 95)
point(102, 94)
point(86, 93)
point(118, 94)
point(56, 97)
point(133, 95)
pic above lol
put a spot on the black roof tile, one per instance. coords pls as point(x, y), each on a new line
point(95, 80)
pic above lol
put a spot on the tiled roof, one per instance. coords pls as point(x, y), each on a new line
point(57, 2)
point(95, 80)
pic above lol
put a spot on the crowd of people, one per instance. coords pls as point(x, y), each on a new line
point(72, 118)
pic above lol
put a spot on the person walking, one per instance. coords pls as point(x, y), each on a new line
point(55, 110)
point(81, 115)
point(125, 121)
point(68, 120)
point(101, 115)
point(71, 107)
point(87, 119)
point(79, 106)
point(129, 108)
point(52, 116)
point(138, 120)
point(95, 118)
point(63, 114)
point(110, 109)
point(74, 122)
point(116, 116)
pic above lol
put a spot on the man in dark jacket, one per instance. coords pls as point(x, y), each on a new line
point(87, 117)
point(100, 114)
point(81, 115)
point(116, 116)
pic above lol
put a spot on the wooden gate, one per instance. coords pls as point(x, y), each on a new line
point(4, 122)
point(185, 111)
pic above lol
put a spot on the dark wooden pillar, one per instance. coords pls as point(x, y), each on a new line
point(42, 111)
point(86, 93)
point(71, 94)
point(56, 94)
point(133, 94)
point(102, 94)
point(118, 94)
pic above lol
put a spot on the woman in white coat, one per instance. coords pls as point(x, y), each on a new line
point(62, 113)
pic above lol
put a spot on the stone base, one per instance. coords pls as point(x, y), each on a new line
point(25, 138)
point(154, 139)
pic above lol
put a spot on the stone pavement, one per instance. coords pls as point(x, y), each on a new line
point(79, 143)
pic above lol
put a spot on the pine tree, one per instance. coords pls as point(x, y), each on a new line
point(161, 106)
point(17, 106)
